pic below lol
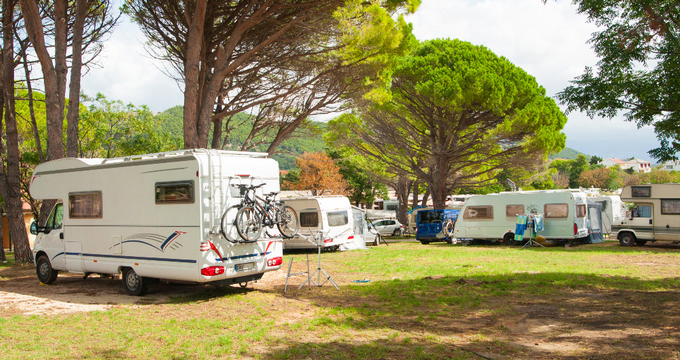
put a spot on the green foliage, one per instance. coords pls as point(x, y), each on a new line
point(639, 68)
point(361, 175)
point(304, 139)
point(567, 153)
point(573, 168)
point(110, 129)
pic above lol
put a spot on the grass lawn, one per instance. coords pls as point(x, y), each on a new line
point(414, 301)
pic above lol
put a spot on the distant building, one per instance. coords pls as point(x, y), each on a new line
point(641, 166)
point(671, 165)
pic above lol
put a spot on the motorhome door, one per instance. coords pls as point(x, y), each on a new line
point(640, 219)
point(50, 238)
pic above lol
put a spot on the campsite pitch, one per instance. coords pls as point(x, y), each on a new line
point(422, 302)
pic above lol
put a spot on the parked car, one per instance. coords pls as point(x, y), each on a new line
point(389, 227)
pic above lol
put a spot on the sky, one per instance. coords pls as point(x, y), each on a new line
point(548, 40)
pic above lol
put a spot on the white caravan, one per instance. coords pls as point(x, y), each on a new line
point(494, 216)
point(655, 214)
point(153, 216)
point(330, 216)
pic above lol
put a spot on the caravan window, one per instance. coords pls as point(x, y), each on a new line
point(56, 217)
point(176, 192)
point(514, 210)
point(478, 212)
point(581, 210)
point(309, 219)
point(670, 206)
point(556, 210)
point(338, 218)
point(85, 205)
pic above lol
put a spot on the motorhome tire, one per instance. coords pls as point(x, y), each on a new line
point(287, 223)
point(627, 239)
point(228, 224)
point(46, 274)
point(248, 224)
point(133, 283)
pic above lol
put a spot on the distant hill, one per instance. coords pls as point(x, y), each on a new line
point(568, 154)
point(301, 141)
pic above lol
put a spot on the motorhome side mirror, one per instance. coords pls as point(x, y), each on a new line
point(34, 228)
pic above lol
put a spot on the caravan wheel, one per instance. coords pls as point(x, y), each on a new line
point(133, 283)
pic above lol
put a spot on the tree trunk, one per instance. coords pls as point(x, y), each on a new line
point(11, 184)
point(403, 189)
point(192, 70)
point(31, 108)
point(74, 83)
point(416, 190)
point(53, 100)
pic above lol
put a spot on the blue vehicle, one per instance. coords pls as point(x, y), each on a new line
point(436, 225)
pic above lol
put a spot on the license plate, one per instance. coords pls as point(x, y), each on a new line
point(245, 267)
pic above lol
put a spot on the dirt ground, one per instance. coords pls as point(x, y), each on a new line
point(22, 294)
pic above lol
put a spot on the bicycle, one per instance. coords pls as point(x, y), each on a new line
point(254, 213)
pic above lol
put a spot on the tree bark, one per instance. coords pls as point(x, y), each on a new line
point(11, 182)
point(74, 83)
point(53, 100)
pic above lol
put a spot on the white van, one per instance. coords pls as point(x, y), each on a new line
point(330, 216)
point(153, 216)
point(655, 214)
point(494, 216)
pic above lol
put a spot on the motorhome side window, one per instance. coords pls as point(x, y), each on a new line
point(478, 212)
point(670, 206)
point(309, 219)
point(514, 210)
point(175, 192)
point(556, 210)
point(337, 218)
point(85, 205)
point(641, 191)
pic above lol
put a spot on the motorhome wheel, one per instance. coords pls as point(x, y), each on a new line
point(46, 274)
point(627, 239)
point(509, 239)
point(133, 283)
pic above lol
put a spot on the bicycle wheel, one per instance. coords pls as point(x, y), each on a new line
point(228, 224)
point(287, 221)
point(248, 224)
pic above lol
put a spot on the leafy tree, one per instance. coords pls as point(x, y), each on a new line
point(594, 160)
point(639, 68)
point(319, 174)
point(572, 169)
point(111, 129)
point(286, 59)
point(459, 115)
point(361, 175)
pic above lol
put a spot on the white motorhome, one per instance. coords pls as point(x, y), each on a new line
point(153, 216)
point(655, 214)
point(327, 215)
point(494, 216)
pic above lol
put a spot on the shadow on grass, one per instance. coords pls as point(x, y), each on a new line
point(544, 315)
